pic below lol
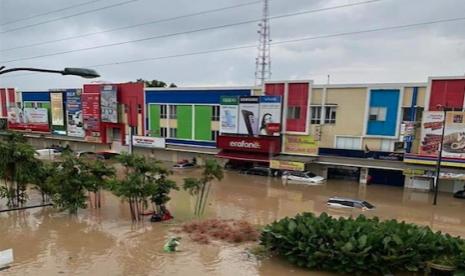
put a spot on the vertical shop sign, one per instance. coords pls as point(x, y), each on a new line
point(74, 113)
point(454, 135)
point(270, 115)
point(91, 116)
point(109, 104)
point(229, 111)
point(248, 115)
point(431, 130)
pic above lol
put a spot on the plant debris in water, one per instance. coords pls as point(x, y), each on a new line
point(233, 231)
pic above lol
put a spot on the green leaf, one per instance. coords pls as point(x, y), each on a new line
point(347, 247)
point(362, 241)
point(292, 226)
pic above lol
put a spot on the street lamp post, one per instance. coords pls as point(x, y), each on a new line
point(81, 72)
point(438, 163)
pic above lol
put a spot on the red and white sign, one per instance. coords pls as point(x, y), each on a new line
point(91, 116)
point(148, 142)
point(250, 144)
point(29, 119)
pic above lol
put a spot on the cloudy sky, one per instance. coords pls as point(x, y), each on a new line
point(406, 55)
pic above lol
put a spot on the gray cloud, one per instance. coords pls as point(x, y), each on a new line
point(392, 56)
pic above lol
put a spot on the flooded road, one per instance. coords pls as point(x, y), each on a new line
point(105, 242)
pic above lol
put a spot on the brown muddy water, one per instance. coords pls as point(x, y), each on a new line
point(105, 242)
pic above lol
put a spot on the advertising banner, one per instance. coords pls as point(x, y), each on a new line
point(33, 119)
point(58, 116)
point(454, 135)
point(148, 142)
point(287, 165)
point(229, 111)
point(109, 104)
point(270, 115)
point(91, 116)
point(431, 130)
point(300, 145)
point(74, 113)
point(248, 115)
point(249, 144)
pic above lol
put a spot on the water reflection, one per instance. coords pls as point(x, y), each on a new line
point(105, 242)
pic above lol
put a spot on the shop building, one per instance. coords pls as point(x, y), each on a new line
point(185, 122)
point(444, 108)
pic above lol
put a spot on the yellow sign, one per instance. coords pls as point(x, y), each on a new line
point(300, 144)
point(57, 109)
point(287, 165)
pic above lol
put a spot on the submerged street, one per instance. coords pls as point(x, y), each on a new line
point(106, 242)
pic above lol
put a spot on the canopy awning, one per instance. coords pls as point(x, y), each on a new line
point(245, 156)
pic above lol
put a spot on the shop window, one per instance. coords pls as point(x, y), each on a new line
point(378, 114)
point(215, 113)
point(351, 143)
point(293, 112)
point(330, 114)
point(173, 114)
point(407, 114)
point(163, 111)
point(215, 134)
point(163, 132)
point(173, 132)
point(315, 111)
point(386, 145)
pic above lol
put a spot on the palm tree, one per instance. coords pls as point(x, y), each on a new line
point(17, 166)
point(200, 187)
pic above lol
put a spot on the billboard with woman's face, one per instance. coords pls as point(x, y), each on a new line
point(270, 115)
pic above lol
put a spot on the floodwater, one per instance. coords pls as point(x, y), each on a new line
point(105, 242)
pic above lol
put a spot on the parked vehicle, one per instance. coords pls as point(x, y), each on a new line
point(183, 165)
point(47, 153)
point(106, 155)
point(86, 154)
point(306, 177)
point(263, 171)
point(339, 202)
point(238, 166)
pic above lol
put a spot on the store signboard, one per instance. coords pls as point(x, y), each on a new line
point(431, 130)
point(91, 116)
point(300, 145)
point(269, 145)
point(148, 142)
point(287, 165)
point(58, 116)
point(229, 111)
point(249, 115)
point(31, 119)
point(109, 104)
point(74, 113)
point(270, 115)
point(454, 135)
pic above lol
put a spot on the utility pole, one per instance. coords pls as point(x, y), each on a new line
point(263, 60)
point(438, 163)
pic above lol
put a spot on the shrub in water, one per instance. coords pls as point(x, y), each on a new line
point(361, 245)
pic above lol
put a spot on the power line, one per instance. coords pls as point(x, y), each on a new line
point(49, 12)
point(287, 41)
point(69, 16)
point(132, 26)
point(185, 32)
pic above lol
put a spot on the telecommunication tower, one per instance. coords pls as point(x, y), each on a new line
point(263, 60)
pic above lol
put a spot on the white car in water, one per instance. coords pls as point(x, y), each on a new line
point(339, 202)
point(305, 177)
point(47, 153)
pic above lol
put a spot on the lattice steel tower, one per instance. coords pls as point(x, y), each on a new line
point(263, 60)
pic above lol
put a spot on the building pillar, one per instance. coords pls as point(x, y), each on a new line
point(363, 180)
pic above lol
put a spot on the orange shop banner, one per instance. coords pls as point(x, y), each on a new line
point(300, 145)
point(287, 165)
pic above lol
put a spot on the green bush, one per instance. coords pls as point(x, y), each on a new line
point(361, 245)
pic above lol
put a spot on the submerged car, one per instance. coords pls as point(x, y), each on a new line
point(105, 155)
point(307, 177)
point(339, 202)
point(263, 171)
point(47, 153)
point(183, 165)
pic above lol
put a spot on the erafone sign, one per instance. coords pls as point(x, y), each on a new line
point(249, 144)
point(244, 144)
